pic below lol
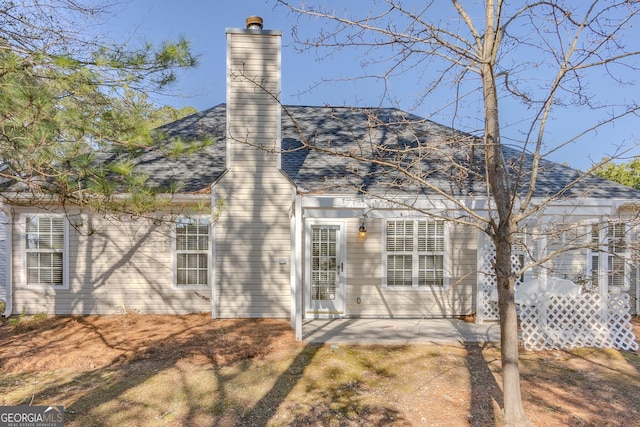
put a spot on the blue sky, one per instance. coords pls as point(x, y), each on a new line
point(203, 23)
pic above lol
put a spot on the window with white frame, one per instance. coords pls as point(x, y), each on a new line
point(45, 246)
point(415, 253)
point(609, 248)
point(191, 252)
point(617, 251)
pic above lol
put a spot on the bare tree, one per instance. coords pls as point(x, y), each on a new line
point(542, 55)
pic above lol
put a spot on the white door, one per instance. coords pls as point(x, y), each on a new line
point(325, 267)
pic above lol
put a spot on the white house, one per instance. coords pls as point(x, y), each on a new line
point(269, 229)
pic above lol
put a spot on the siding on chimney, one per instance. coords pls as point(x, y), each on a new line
point(252, 233)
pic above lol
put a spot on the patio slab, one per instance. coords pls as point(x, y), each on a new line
point(398, 331)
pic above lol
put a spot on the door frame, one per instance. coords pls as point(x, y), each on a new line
point(341, 293)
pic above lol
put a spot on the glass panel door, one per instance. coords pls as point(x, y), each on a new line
point(325, 268)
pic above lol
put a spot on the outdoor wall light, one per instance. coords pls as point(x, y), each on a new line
point(362, 230)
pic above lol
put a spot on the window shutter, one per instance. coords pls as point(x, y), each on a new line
point(415, 245)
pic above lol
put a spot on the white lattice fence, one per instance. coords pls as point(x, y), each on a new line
point(561, 322)
point(487, 286)
point(487, 283)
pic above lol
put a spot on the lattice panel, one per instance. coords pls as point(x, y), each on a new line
point(563, 322)
point(622, 336)
point(488, 283)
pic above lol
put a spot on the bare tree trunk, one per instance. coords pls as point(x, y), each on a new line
point(513, 409)
point(503, 237)
point(503, 232)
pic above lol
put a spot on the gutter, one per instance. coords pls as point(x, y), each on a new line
point(28, 199)
point(8, 309)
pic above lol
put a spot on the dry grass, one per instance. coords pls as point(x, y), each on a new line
point(194, 371)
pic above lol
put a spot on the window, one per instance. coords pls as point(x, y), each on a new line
point(617, 254)
point(192, 252)
point(610, 250)
point(415, 253)
point(324, 263)
point(45, 245)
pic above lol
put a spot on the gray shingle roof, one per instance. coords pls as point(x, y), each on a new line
point(345, 138)
point(193, 172)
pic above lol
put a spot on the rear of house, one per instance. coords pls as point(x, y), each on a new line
point(266, 227)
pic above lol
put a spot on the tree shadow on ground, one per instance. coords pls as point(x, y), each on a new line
point(124, 363)
point(116, 361)
point(265, 408)
point(485, 391)
point(340, 403)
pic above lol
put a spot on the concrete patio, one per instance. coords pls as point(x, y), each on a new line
point(398, 331)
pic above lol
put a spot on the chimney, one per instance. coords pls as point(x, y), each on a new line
point(253, 229)
point(253, 94)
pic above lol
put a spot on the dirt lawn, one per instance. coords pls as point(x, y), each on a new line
point(141, 370)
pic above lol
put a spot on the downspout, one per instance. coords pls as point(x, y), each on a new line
point(297, 257)
point(637, 298)
point(480, 278)
point(292, 256)
point(212, 241)
point(637, 290)
point(8, 308)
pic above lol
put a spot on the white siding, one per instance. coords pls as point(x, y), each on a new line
point(252, 232)
point(364, 278)
point(112, 265)
point(568, 263)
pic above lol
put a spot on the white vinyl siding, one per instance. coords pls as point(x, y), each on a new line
point(192, 252)
point(109, 265)
point(414, 253)
point(252, 236)
point(368, 296)
point(45, 250)
point(252, 276)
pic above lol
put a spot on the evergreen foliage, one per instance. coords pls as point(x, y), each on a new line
point(67, 95)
